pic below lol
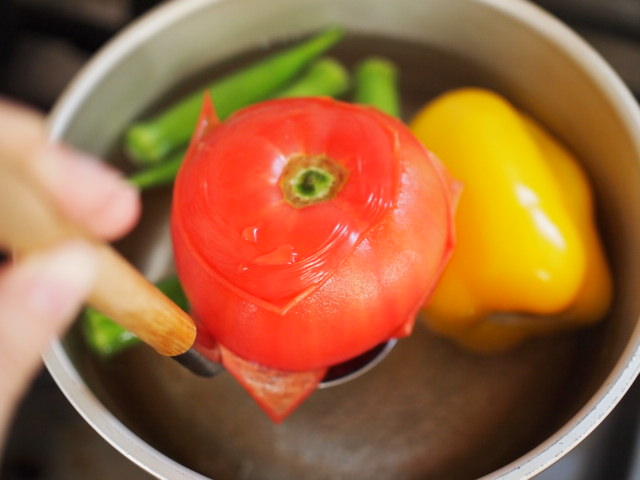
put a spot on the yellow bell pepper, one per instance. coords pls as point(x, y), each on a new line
point(528, 260)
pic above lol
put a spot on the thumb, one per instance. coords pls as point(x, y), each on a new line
point(39, 296)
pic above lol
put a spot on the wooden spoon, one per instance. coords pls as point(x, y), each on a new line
point(30, 222)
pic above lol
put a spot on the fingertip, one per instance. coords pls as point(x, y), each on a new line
point(118, 214)
point(90, 191)
point(40, 295)
point(53, 284)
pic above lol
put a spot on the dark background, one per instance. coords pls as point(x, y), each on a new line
point(43, 44)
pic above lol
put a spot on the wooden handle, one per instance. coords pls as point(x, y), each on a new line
point(30, 222)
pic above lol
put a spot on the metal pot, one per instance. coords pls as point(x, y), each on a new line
point(430, 410)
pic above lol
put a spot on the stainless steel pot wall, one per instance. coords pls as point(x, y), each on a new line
point(529, 56)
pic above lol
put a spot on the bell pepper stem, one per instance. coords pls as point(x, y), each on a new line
point(150, 141)
point(376, 84)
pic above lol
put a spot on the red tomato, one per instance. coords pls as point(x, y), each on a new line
point(299, 286)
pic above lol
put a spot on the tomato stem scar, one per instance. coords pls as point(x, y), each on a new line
point(307, 180)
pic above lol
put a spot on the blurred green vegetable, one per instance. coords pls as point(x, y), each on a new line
point(159, 175)
point(324, 77)
point(376, 84)
point(150, 141)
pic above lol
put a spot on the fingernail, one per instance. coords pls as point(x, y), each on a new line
point(118, 214)
point(58, 281)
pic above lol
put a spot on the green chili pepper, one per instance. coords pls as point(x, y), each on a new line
point(376, 84)
point(107, 338)
point(104, 336)
point(159, 175)
point(324, 77)
point(149, 142)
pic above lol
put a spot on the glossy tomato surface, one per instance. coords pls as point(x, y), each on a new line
point(298, 288)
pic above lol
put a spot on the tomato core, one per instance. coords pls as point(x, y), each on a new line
point(307, 180)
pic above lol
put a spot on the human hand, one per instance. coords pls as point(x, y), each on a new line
point(40, 294)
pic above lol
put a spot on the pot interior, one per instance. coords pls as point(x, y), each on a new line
point(430, 410)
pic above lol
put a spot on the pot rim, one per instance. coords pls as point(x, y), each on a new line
point(534, 461)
